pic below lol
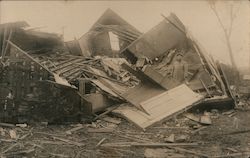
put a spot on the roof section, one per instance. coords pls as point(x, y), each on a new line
point(168, 34)
point(109, 17)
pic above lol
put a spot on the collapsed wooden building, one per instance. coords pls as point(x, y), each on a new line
point(46, 79)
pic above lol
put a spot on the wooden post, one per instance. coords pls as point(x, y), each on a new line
point(82, 88)
point(4, 40)
point(205, 87)
point(4, 50)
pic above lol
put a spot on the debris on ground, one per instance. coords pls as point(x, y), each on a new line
point(87, 97)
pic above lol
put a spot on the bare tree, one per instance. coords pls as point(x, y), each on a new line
point(227, 30)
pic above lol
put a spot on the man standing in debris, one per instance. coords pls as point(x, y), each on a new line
point(180, 68)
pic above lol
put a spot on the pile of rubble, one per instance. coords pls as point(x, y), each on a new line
point(212, 134)
point(144, 78)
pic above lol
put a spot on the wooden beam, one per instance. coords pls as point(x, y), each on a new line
point(207, 90)
point(106, 112)
point(97, 75)
point(163, 144)
point(60, 67)
point(4, 40)
point(82, 89)
point(4, 50)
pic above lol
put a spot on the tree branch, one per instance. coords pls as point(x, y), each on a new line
point(231, 21)
point(213, 7)
point(226, 33)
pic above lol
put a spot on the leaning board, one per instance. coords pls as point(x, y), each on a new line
point(161, 106)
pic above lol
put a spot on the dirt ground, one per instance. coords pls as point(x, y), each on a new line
point(227, 136)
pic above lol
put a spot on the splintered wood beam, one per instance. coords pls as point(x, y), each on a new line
point(68, 69)
point(61, 63)
point(163, 144)
point(76, 71)
point(106, 112)
point(4, 41)
point(59, 67)
point(204, 85)
point(97, 75)
point(7, 45)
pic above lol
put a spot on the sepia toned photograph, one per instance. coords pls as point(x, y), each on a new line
point(129, 79)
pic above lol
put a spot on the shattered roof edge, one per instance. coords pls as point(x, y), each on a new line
point(102, 15)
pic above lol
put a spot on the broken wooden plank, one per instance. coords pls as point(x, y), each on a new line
point(68, 70)
point(232, 149)
point(4, 50)
point(111, 120)
point(10, 147)
point(7, 140)
point(170, 139)
point(247, 154)
point(204, 119)
point(161, 153)
point(105, 88)
point(190, 152)
point(120, 144)
point(238, 132)
point(4, 39)
point(110, 109)
point(205, 87)
point(19, 152)
point(171, 127)
point(69, 141)
point(36, 145)
point(163, 144)
point(98, 75)
point(135, 133)
point(59, 155)
point(100, 142)
point(74, 129)
point(75, 76)
point(199, 129)
point(146, 144)
point(62, 81)
point(53, 142)
point(24, 136)
point(7, 125)
point(60, 63)
point(66, 65)
point(100, 130)
point(75, 72)
point(192, 117)
point(133, 138)
point(51, 134)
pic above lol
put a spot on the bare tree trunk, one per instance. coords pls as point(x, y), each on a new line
point(227, 37)
point(227, 34)
point(230, 51)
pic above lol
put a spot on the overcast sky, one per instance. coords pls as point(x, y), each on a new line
point(76, 17)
